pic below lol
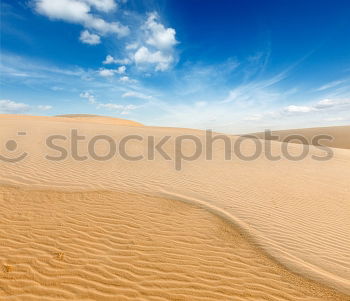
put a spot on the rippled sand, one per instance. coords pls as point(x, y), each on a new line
point(122, 230)
point(122, 246)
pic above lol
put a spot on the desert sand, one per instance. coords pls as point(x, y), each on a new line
point(340, 134)
point(142, 230)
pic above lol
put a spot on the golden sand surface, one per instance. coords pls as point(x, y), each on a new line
point(102, 245)
point(293, 215)
point(341, 135)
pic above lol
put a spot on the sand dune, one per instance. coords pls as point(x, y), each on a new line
point(100, 119)
point(76, 118)
point(341, 135)
point(288, 221)
point(123, 246)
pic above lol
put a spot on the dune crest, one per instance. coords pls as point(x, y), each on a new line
point(101, 119)
point(76, 118)
point(340, 134)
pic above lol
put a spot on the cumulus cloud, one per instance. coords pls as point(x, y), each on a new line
point(79, 12)
point(106, 72)
point(134, 94)
point(89, 38)
point(111, 60)
point(121, 70)
point(162, 61)
point(157, 47)
point(157, 35)
point(10, 107)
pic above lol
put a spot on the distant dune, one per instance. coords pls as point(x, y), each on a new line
point(341, 135)
point(138, 229)
point(76, 118)
point(101, 119)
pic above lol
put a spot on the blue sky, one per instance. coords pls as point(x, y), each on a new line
point(232, 66)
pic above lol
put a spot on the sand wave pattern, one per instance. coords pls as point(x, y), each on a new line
point(124, 246)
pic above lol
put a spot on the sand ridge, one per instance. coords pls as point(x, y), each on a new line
point(298, 212)
point(341, 135)
point(75, 118)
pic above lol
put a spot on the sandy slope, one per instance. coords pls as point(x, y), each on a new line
point(296, 212)
point(341, 135)
point(123, 246)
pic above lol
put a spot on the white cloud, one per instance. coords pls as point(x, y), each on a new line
point(110, 106)
point(126, 79)
point(106, 72)
point(11, 107)
point(89, 96)
point(157, 35)
point(66, 10)
point(108, 60)
point(134, 94)
point(102, 5)
point(331, 103)
point(111, 60)
point(89, 38)
point(156, 48)
point(44, 107)
point(161, 61)
point(298, 109)
point(331, 85)
point(121, 70)
point(110, 72)
point(132, 46)
point(334, 104)
point(123, 109)
point(79, 12)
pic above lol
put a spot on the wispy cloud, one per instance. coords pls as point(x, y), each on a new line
point(110, 106)
point(134, 94)
point(331, 85)
point(12, 107)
